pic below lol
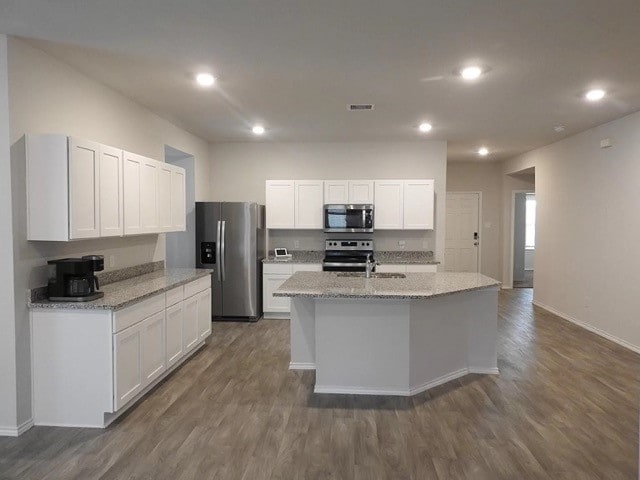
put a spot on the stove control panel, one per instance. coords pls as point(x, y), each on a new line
point(334, 244)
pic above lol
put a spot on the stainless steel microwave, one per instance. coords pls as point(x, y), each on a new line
point(348, 218)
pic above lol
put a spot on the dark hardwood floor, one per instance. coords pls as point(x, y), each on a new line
point(526, 282)
point(565, 406)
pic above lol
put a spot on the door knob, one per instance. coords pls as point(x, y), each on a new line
point(476, 243)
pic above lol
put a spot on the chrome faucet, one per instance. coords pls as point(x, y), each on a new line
point(369, 266)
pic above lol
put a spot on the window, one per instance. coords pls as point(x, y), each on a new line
point(530, 222)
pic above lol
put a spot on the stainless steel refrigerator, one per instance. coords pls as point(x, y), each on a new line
point(230, 240)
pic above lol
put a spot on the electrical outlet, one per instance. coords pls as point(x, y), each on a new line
point(296, 244)
point(401, 243)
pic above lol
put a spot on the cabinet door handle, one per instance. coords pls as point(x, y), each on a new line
point(218, 256)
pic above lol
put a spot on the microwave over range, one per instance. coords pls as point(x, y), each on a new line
point(348, 218)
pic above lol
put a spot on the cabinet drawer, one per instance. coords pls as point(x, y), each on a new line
point(280, 268)
point(190, 289)
point(174, 296)
point(306, 267)
point(138, 312)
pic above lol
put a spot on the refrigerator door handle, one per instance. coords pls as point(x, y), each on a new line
point(218, 256)
point(223, 250)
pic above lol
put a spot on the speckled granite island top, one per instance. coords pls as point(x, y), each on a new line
point(413, 286)
point(121, 294)
point(298, 256)
point(383, 257)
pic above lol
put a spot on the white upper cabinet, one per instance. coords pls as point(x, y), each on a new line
point(84, 192)
point(154, 196)
point(336, 191)
point(361, 191)
point(178, 200)
point(111, 192)
point(149, 195)
point(79, 189)
point(404, 204)
point(308, 204)
point(388, 205)
point(348, 191)
point(164, 197)
point(280, 210)
point(132, 173)
point(418, 204)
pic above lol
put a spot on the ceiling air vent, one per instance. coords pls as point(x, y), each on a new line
point(356, 107)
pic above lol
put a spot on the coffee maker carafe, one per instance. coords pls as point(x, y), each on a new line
point(74, 280)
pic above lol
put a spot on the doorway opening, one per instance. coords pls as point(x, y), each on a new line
point(524, 239)
point(521, 267)
point(181, 246)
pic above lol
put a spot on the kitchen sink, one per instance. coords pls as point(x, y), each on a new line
point(373, 275)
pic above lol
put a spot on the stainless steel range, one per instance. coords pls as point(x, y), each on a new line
point(347, 255)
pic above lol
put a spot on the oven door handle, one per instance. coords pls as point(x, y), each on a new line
point(343, 264)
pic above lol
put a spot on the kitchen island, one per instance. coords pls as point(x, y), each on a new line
point(393, 334)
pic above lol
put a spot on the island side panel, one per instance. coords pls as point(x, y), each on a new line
point(438, 341)
point(482, 331)
point(72, 367)
point(362, 346)
point(303, 334)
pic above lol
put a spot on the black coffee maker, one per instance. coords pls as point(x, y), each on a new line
point(73, 279)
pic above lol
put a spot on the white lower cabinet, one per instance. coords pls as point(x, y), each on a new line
point(274, 275)
point(190, 335)
point(90, 365)
point(204, 314)
point(152, 336)
point(174, 320)
point(128, 365)
point(271, 304)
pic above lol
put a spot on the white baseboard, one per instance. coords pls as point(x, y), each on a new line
point(301, 366)
point(586, 326)
point(276, 315)
point(438, 381)
point(16, 431)
point(358, 391)
point(409, 392)
point(485, 371)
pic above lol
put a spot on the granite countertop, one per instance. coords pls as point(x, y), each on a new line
point(414, 286)
point(405, 257)
point(383, 257)
point(121, 294)
point(298, 256)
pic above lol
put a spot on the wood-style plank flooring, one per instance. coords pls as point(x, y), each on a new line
point(565, 406)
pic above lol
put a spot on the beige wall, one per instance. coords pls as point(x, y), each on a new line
point(47, 96)
point(239, 171)
point(587, 228)
point(485, 177)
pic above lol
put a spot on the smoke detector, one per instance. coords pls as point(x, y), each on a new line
point(357, 107)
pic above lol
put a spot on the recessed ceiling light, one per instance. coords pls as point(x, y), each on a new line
point(595, 95)
point(205, 79)
point(258, 129)
point(471, 72)
point(483, 151)
point(425, 127)
point(559, 128)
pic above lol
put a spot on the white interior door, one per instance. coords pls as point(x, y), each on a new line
point(462, 232)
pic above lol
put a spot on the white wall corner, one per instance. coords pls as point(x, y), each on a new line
point(8, 372)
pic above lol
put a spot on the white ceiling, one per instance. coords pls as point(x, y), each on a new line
point(295, 64)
